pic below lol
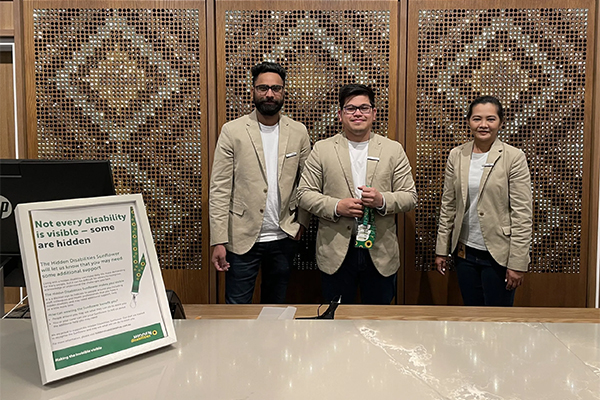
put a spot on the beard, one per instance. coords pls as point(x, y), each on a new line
point(267, 107)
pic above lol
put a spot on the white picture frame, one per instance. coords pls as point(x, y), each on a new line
point(74, 298)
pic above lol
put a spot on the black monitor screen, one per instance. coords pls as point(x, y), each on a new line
point(27, 181)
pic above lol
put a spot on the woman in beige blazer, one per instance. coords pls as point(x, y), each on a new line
point(486, 213)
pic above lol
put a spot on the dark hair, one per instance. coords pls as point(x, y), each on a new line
point(353, 90)
point(267, 66)
point(487, 100)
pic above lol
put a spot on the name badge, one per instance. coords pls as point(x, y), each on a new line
point(371, 158)
point(462, 250)
point(488, 165)
point(291, 154)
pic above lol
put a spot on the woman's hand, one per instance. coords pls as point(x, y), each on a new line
point(514, 279)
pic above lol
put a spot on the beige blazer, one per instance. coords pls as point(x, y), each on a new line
point(238, 185)
point(504, 206)
point(327, 178)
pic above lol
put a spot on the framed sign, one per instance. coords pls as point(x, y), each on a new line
point(94, 283)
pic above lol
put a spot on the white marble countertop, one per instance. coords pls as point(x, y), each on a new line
point(251, 359)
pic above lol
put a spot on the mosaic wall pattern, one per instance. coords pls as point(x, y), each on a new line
point(321, 50)
point(124, 85)
point(534, 61)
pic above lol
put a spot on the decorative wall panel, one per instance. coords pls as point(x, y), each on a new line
point(535, 61)
point(128, 85)
point(321, 49)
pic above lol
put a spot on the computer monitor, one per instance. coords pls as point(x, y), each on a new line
point(28, 181)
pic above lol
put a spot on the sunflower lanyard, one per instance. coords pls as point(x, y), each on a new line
point(138, 265)
point(365, 235)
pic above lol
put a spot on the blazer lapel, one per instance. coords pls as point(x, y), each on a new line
point(254, 132)
point(341, 149)
point(465, 164)
point(493, 156)
point(284, 135)
point(373, 158)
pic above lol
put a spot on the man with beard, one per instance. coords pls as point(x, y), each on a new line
point(254, 219)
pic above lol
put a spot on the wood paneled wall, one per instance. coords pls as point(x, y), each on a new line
point(7, 27)
point(7, 106)
point(7, 114)
point(322, 45)
point(307, 36)
point(126, 81)
point(593, 278)
point(538, 60)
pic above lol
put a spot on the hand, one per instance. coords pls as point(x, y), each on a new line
point(218, 258)
point(441, 263)
point(300, 232)
point(371, 197)
point(514, 279)
point(350, 207)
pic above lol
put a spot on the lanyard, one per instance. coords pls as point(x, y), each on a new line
point(138, 265)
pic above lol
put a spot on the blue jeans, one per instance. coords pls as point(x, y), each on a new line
point(358, 270)
point(482, 280)
point(273, 258)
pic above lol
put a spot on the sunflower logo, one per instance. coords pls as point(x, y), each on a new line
point(368, 244)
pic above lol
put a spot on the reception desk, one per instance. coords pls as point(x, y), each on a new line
point(406, 313)
point(339, 359)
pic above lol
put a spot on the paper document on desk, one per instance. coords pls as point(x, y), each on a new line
point(277, 313)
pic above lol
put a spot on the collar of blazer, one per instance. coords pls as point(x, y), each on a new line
point(493, 156)
point(343, 156)
point(253, 130)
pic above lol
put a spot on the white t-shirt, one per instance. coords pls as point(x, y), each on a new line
point(359, 152)
point(270, 229)
point(470, 232)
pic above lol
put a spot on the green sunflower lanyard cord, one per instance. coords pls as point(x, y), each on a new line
point(138, 265)
point(365, 235)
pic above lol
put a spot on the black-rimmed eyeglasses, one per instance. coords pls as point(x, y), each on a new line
point(365, 109)
point(263, 89)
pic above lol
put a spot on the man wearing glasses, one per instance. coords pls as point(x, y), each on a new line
point(254, 219)
point(356, 182)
